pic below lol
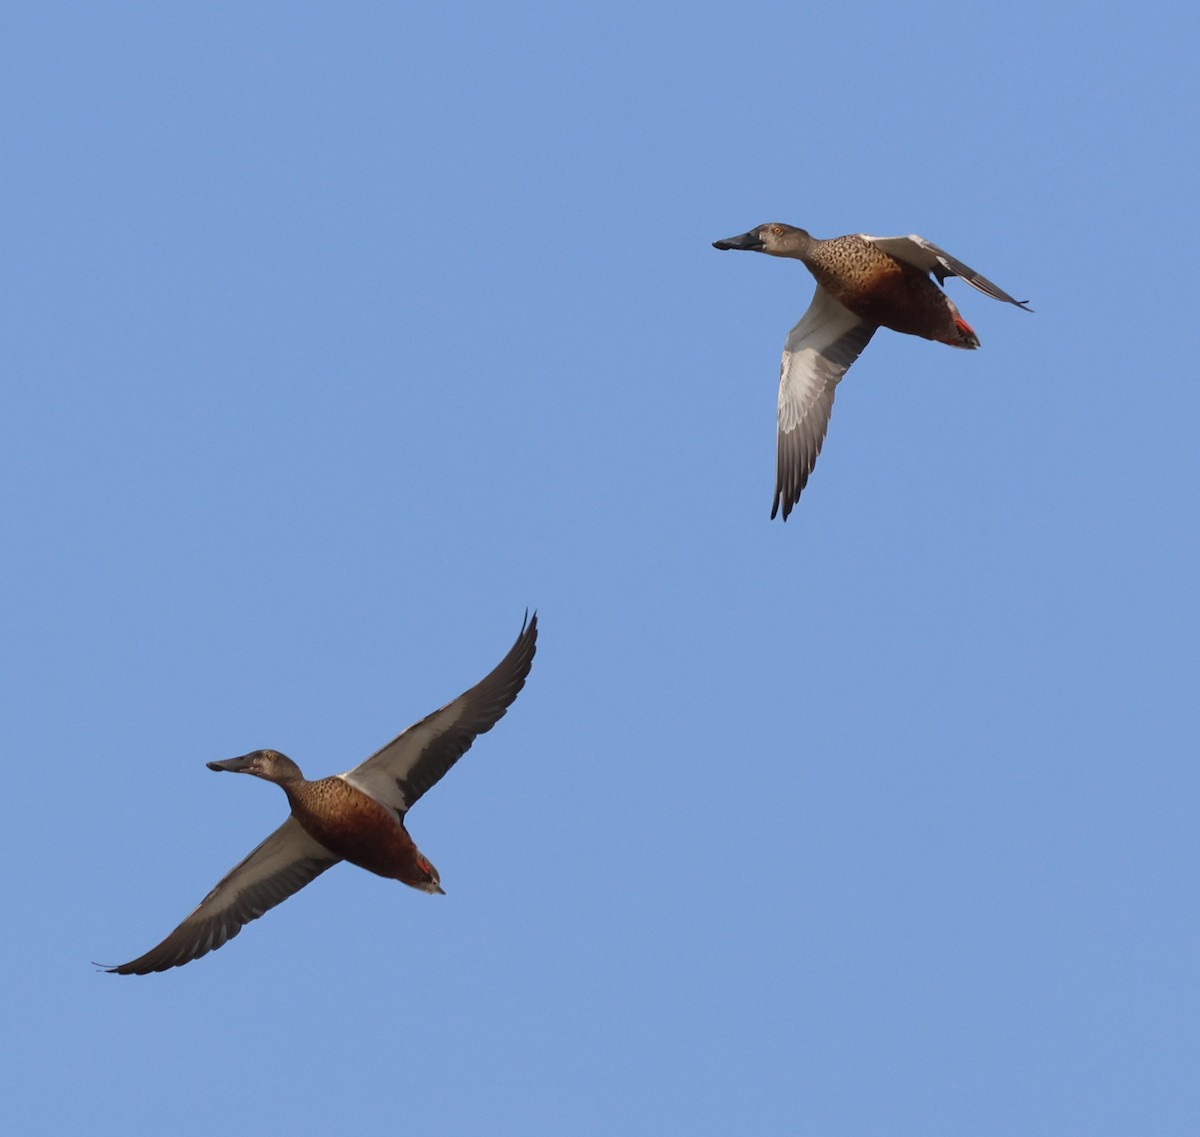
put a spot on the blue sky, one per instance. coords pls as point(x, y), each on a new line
point(338, 335)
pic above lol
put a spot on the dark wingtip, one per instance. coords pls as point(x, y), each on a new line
point(120, 969)
point(529, 629)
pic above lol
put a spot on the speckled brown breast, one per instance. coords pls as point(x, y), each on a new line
point(348, 822)
point(881, 289)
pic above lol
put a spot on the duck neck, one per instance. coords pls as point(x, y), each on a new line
point(294, 788)
point(800, 246)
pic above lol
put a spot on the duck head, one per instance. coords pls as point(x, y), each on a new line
point(267, 764)
point(774, 239)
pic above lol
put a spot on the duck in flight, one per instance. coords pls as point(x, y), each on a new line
point(357, 816)
point(863, 283)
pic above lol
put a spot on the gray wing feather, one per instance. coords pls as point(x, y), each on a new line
point(411, 763)
point(818, 352)
point(283, 864)
point(926, 256)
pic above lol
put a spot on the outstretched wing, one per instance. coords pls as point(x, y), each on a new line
point(284, 863)
point(816, 354)
point(926, 256)
point(407, 766)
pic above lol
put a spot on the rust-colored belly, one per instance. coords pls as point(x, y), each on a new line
point(356, 827)
point(888, 292)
